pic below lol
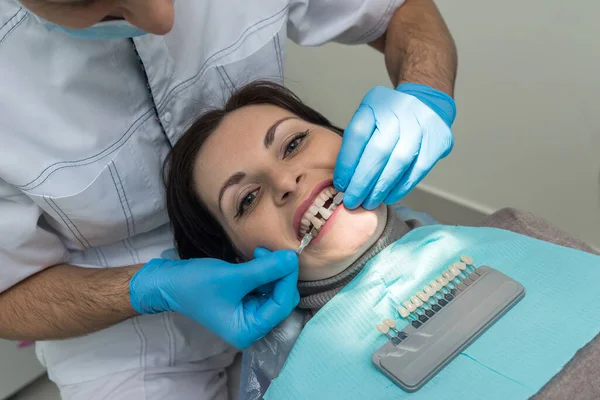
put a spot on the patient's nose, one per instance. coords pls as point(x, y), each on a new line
point(287, 187)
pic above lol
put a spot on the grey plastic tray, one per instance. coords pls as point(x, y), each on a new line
point(415, 355)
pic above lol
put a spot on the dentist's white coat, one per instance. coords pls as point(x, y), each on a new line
point(84, 129)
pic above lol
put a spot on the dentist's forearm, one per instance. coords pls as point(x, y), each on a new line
point(419, 48)
point(66, 301)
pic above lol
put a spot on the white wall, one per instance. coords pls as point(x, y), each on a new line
point(528, 98)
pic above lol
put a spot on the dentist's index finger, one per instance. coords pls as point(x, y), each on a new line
point(355, 139)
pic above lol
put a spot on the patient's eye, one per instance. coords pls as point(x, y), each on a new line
point(246, 202)
point(294, 143)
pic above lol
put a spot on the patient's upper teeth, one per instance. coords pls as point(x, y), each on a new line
point(325, 213)
point(319, 201)
point(305, 222)
point(313, 210)
point(324, 196)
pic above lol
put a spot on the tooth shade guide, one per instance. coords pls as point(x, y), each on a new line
point(423, 348)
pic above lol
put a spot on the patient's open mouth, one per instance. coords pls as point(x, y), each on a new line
point(318, 212)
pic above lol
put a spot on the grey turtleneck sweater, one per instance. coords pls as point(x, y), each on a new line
point(314, 294)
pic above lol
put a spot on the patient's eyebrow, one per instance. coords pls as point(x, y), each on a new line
point(233, 179)
point(270, 135)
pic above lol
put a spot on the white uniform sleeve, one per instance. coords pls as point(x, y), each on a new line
point(26, 247)
point(314, 22)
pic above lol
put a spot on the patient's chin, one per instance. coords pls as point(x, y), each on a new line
point(345, 238)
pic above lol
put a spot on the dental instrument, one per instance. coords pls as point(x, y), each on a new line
point(451, 312)
point(337, 200)
point(306, 240)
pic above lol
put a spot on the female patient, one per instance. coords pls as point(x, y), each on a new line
point(258, 174)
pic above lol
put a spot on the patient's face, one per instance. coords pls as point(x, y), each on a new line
point(264, 173)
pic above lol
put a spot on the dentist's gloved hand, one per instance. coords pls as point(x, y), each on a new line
point(393, 140)
point(222, 296)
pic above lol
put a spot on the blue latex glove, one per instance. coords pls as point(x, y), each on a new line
point(393, 140)
point(222, 296)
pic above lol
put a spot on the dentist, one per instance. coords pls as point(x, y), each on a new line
point(93, 95)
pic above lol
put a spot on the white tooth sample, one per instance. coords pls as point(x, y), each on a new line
point(441, 280)
point(416, 301)
point(447, 275)
point(383, 329)
point(313, 210)
point(460, 265)
point(409, 306)
point(454, 271)
point(423, 296)
point(316, 222)
point(467, 260)
point(325, 213)
point(338, 198)
point(389, 323)
point(429, 291)
point(403, 312)
point(319, 201)
point(435, 286)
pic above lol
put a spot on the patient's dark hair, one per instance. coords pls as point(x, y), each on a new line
point(197, 233)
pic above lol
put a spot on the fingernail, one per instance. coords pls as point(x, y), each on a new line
point(339, 184)
point(371, 204)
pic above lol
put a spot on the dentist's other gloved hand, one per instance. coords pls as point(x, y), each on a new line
point(222, 296)
point(392, 142)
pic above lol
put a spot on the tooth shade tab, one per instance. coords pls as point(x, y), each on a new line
point(403, 312)
point(317, 214)
point(466, 259)
point(389, 323)
point(383, 329)
point(325, 213)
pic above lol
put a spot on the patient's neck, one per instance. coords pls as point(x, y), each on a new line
point(314, 294)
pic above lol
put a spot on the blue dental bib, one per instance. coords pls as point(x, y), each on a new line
point(513, 359)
